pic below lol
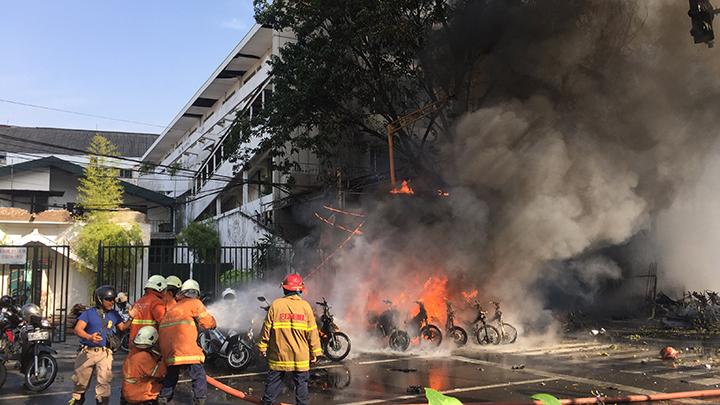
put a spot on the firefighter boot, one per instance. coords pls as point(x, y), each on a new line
point(102, 401)
point(198, 401)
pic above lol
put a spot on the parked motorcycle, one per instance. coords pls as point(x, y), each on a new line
point(456, 333)
point(229, 347)
point(423, 328)
point(386, 325)
point(335, 344)
point(508, 333)
point(484, 332)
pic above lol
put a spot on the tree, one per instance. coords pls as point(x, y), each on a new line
point(100, 194)
point(203, 239)
point(100, 190)
point(354, 67)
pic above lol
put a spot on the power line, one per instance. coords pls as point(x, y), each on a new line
point(42, 107)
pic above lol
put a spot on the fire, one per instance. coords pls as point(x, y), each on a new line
point(403, 189)
point(442, 193)
point(434, 293)
point(469, 295)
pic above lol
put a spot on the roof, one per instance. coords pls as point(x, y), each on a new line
point(248, 51)
point(132, 144)
point(77, 170)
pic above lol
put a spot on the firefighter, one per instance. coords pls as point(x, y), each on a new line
point(229, 294)
point(150, 308)
point(178, 342)
point(290, 341)
point(173, 286)
point(143, 369)
point(93, 327)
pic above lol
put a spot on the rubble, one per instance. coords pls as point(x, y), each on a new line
point(696, 310)
point(669, 353)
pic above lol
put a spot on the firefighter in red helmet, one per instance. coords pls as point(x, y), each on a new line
point(290, 341)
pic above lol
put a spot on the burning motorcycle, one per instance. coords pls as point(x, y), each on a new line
point(27, 338)
point(335, 344)
point(484, 333)
point(508, 333)
point(386, 325)
point(424, 328)
point(456, 333)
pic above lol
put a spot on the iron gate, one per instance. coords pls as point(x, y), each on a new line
point(38, 274)
point(128, 267)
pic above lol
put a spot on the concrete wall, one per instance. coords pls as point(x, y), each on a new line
point(236, 229)
point(38, 179)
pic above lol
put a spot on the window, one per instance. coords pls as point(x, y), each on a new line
point(126, 173)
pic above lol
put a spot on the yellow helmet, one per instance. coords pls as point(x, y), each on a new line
point(174, 281)
point(146, 337)
point(156, 282)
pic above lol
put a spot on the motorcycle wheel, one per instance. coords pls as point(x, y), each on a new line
point(458, 335)
point(399, 340)
point(3, 373)
point(337, 347)
point(509, 333)
point(487, 335)
point(239, 357)
point(431, 334)
point(125, 342)
point(46, 376)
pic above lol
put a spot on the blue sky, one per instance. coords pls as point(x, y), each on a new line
point(135, 60)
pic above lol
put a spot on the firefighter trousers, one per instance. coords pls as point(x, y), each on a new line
point(273, 384)
point(197, 375)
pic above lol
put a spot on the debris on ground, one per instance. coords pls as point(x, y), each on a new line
point(404, 370)
point(669, 353)
point(597, 332)
point(697, 310)
point(634, 337)
point(518, 367)
point(415, 389)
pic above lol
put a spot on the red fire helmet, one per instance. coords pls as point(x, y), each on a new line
point(293, 282)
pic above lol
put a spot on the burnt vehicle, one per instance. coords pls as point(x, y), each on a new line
point(457, 333)
point(335, 344)
point(386, 326)
point(422, 327)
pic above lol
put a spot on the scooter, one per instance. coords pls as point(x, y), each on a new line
point(37, 359)
point(335, 344)
point(387, 326)
point(234, 350)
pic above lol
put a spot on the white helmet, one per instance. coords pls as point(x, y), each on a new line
point(156, 282)
point(188, 286)
point(229, 291)
point(174, 281)
point(146, 337)
point(121, 297)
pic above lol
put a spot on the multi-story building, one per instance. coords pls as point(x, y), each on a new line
point(192, 159)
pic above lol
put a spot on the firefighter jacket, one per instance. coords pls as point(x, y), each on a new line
point(169, 302)
point(179, 334)
point(143, 372)
point(289, 335)
point(147, 311)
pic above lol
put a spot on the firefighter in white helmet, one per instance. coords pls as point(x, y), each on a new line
point(173, 287)
point(143, 369)
point(150, 308)
point(178, 342)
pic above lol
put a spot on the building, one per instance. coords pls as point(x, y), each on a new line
point(193, 149)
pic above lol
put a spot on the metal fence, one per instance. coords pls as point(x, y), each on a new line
point(128, 267)
point(38, 274)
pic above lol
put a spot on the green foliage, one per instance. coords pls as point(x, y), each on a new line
point(233, 277)
point(436, 398)
point(99, 190)
point(269, 254)
point(355, 66)
point(173, 168)
point(111, 234)
point(546, 399)
point(203, 239)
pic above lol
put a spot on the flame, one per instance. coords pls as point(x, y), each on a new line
point(442, 193)
point(403, 189)
point(469, 295)
point(434, 293)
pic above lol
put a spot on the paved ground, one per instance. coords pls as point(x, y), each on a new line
point(573, 368)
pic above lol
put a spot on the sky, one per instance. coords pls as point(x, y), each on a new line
point(135, 60)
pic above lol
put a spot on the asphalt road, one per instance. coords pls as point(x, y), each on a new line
point(573, 368)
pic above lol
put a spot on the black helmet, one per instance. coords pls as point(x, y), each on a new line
point(104, 292)
point(6, 301)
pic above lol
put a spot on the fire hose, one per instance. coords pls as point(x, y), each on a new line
point(617, 400)
point(232, 391)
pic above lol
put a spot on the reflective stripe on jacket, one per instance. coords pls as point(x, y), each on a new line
point(289, 335)
point(142, 376)
point(147, 311)
point(178, 332)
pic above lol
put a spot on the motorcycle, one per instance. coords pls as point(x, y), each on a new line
point(30, 344)
point(457, 333)
point(484, 332)
point(229, 347)
point(423, 327)
point(508, 333)
point(335, 344)
point(386, 325)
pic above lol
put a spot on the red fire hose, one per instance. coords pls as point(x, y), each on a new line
point(232, 391)
point(617, 400)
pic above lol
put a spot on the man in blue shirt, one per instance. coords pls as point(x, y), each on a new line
point(93, 328)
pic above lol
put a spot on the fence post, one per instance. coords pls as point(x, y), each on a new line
point(100, 259)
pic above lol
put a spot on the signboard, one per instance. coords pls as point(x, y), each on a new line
point(13, 255)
